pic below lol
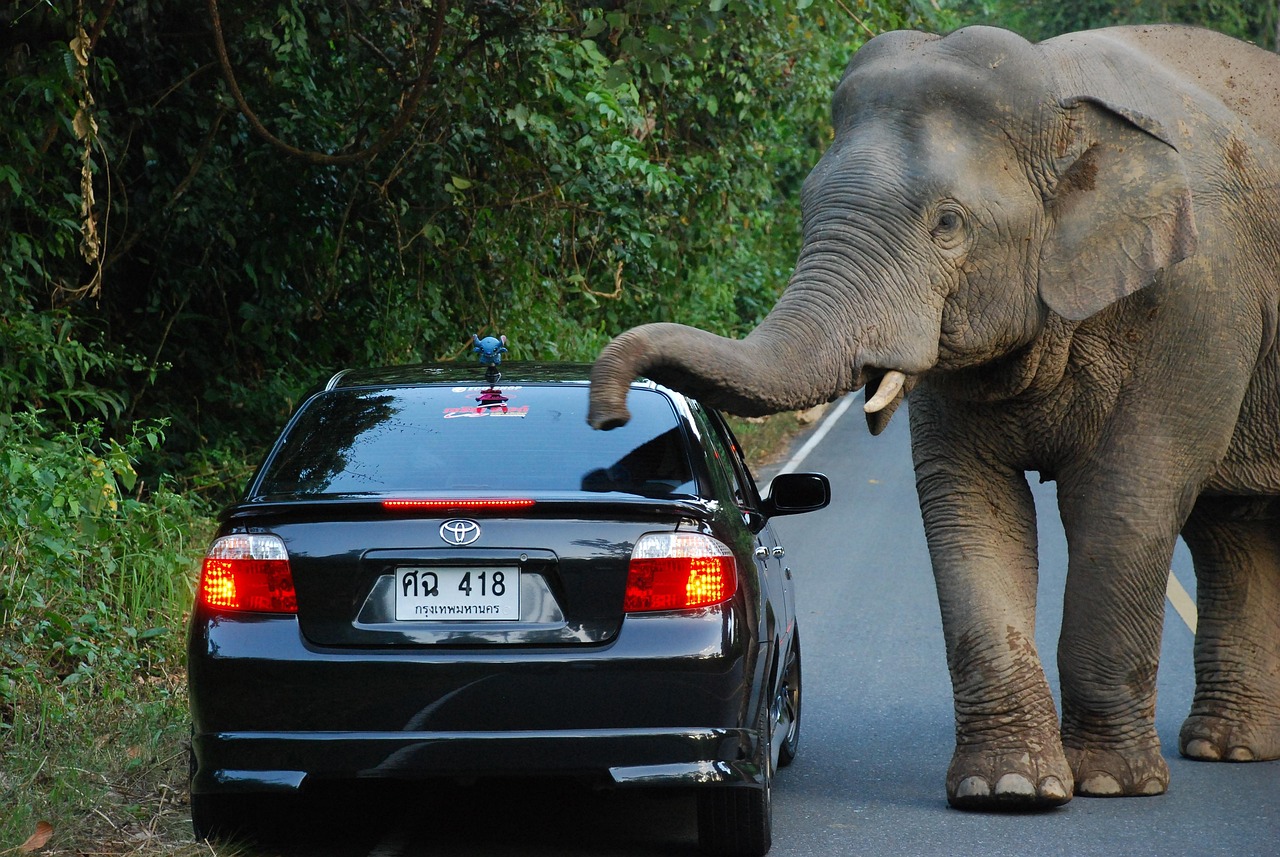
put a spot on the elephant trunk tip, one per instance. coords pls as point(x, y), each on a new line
point(608, 423)
point(607, 415)
point(621, 362)
point(608, 420)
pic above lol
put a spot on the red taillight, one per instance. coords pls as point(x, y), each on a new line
point(248, 572)
point(470, 505)
point(679, 571)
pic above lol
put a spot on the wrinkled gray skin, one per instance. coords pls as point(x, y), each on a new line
point(1072, 250)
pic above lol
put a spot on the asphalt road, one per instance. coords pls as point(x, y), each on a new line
point(877, 723)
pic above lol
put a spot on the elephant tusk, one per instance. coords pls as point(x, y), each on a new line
point(890, 387)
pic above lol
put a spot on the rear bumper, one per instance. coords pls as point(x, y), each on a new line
point(241, 762)
point(664, 703)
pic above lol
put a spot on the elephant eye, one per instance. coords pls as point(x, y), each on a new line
point(948, 226)
point(948, 221)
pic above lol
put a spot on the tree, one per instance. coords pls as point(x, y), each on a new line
point(1252, 20)
point(244, 197)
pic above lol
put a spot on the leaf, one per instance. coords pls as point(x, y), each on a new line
point(80, 48)
point(83, 124)
point(520, 115)
point(122, 467)
point(39, 839)
point(10, 175)
point(59, 621)
point(617, 75)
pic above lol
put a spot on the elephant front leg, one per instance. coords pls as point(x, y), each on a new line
point(1008, 755)
point(1120, 547)
point(982, 538)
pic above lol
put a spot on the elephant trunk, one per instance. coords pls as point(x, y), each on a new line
point(786, 363)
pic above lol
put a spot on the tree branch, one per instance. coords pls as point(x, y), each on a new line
point(322, 158)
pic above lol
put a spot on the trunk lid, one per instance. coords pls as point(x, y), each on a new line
point(355, 567)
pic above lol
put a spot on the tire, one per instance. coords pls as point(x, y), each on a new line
point(792, 697)
point(738, 821)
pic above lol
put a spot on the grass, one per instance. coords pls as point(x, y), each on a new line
point(95, 586)
point(768, 440)
point(95, 581)
point(106, 770)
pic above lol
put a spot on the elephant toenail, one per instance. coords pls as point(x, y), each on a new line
point(1100, 785)
point(1015, 784)
point(1202, 748)
point(1051, 788)
point(973, 787)
point(1240, 754)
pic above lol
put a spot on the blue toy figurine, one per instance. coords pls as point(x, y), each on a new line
point(490, 349)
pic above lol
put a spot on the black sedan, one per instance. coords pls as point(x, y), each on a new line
point(440, 574)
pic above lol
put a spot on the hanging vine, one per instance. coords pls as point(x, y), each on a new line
point(85, 127)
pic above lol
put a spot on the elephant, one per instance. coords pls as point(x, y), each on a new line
point(1066, 257)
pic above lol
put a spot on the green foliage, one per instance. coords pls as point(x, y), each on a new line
point(48, 367)
point(1252, 20)
point(41, 171)
point(90, 575)
point(93, 586)
point(50, 357)
point(572, 170)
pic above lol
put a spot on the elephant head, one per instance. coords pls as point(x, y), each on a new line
point(977, 185)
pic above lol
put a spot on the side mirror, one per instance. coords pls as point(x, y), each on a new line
point(793, 493)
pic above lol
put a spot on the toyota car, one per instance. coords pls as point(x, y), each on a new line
point(442, 573)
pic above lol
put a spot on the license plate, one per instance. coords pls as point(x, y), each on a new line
point(457, 594)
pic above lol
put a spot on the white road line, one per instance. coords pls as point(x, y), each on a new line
point(1174, 590)
point(1181, 601)
point(827, 424)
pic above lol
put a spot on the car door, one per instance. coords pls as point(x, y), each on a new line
point(780, 572)
point(769, 552)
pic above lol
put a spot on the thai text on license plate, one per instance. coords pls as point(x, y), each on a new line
point(452, 594)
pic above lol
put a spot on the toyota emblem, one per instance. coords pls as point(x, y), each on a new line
point(459, 531)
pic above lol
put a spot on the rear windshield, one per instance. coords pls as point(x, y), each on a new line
point(420, 440)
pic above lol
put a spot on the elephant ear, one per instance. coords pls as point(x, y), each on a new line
point(1120, 211)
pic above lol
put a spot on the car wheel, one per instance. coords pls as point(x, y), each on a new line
point(791, 700)
point(738, 822)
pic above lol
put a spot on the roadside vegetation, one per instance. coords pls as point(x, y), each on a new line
point(199, 221)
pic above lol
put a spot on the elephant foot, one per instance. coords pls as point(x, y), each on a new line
point(1212, 738)
point(1119, 773)
point(1021, 780)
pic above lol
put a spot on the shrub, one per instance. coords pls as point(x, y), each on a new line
point(95, 575)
